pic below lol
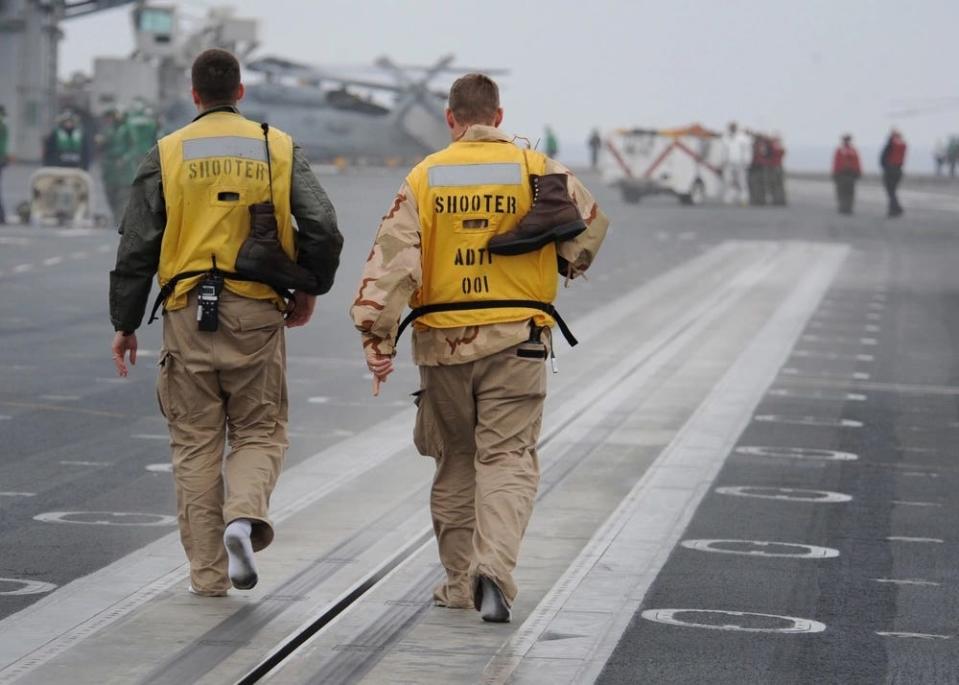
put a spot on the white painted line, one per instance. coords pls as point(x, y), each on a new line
point(150, 436)
point(918, 636)
point(112, 380)
point(27, 587)
point(318, 400)
point(106, 518)
point(906, 581)
point(703, 443)
point(71, 462)
point(908, 503)
point(897, 538)
point(784, 494)
point(52, 261)
point(920, 474)
point(18, 494)
point(832, 356)
point(763, 548)
point(793, 371)
point(795, 625)
point(808, 421)
point(806, 453)
point(166, 467)
point(818, 395)
point(22, 268)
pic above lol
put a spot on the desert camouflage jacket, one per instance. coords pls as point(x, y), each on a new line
point(393, 273)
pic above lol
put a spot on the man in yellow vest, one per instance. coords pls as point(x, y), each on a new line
point(222, 374)
point(481, 333)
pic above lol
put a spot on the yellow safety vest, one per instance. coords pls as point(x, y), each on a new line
point(466, 194)
point(213, 170)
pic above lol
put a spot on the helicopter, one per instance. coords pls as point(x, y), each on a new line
point(334, 115)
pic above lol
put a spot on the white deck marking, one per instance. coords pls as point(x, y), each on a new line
point(18, 494)
point(72, 462)
point(808, 421)
point(807, 453)
point(106, 518)
point(22, 268)
point(908, 503)
point(764, 548)
point(150, 436)
point(918, 636)
point(27, 587)
point(907, 581)
point(818, 395)
point(796, 625)
point(784, 494)
point(52, 261)
point(166, 467)
point(898, 538)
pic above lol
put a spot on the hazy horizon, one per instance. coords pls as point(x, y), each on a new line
point(809, 70)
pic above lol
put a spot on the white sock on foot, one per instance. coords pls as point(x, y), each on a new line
point(239, 550)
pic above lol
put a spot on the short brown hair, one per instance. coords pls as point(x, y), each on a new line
point(474, 99)
point(216, 76)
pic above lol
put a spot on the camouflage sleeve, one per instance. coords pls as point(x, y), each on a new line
point(392, 274)
point(580, 252)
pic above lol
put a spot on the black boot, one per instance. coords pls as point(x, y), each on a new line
point(490, 602)
point(553, 218)
point(262, 258)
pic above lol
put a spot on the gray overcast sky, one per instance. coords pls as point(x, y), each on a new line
point(808, 68)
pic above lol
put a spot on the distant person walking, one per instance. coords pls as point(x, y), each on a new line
point(3, 158)
point(551, 143)
point(952, 154)
point(775, 176)
point(758, 171)
point(939, 155)
point(891, 160)
point(737, 151)
point(846, 170)
point(594, 142)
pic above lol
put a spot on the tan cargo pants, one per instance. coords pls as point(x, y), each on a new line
point(213, 387)
point(481, 422)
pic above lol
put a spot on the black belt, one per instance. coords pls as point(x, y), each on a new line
point(170, 285)
point(488, 304)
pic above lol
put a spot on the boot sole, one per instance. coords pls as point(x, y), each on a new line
point(248, 578)
point(498, 612)
point(523, 245)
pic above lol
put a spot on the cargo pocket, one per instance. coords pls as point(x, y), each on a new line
point(424, 430)
point(163, 382)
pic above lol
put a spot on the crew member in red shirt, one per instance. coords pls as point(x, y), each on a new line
point(846, 170)
point(891, 160)
point(775, 176)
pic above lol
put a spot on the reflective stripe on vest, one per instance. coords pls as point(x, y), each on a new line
point(465, 195)
point(213, 170)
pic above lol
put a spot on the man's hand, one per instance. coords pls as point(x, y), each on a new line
point(300, 310)
point(121, 345)
point(381, 366)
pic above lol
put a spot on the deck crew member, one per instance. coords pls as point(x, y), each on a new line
point(891, 160)
point(846, 170)
point(222, 375)
point(482, 371)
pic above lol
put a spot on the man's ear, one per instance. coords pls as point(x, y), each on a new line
point(450, 119)
point(196, 97)
point(240, 92)
point(499, 117)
